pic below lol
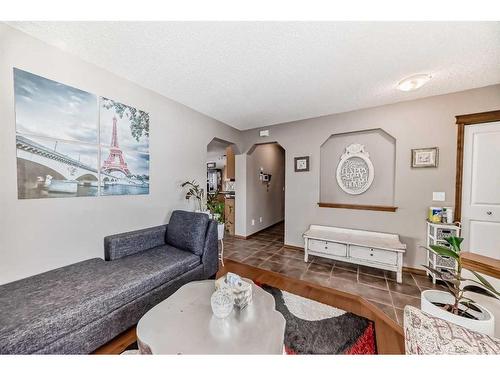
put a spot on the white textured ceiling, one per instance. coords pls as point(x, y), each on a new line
point(251, 74)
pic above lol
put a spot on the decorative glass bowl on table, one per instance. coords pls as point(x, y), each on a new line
point(239, 289)
point(222, 303)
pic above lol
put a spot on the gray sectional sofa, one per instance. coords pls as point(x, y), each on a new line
point(78, 308)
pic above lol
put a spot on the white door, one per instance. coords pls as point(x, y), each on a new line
point(481, 189)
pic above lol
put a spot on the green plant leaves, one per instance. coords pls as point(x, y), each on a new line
point(451, 287)
point(470, 305)
point(486, 284)
point(455, 243)
point(453, 278)
point(444, 251)
point(479, 290)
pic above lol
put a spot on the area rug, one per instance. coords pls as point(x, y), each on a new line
point(315, 328)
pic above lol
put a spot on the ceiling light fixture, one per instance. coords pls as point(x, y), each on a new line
point(414, 82)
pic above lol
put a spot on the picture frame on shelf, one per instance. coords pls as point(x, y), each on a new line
point(301, 164)
point(425, 157)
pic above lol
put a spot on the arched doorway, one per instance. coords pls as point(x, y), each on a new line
point(221, 181)
point(265, 192)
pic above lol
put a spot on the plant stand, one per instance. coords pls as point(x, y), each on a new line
point(220, 237)
point(221, 254)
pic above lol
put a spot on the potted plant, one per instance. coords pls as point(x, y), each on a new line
point(216, 208)
point(195, 192)
point(452, 305)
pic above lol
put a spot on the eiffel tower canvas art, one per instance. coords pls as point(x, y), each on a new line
point(63, 149)
point(115, 160)
point(124, 138)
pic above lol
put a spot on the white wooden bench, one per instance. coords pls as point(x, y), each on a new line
point(373, 249)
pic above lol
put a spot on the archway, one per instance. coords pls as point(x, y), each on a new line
point(265, 192)
point(221, 181)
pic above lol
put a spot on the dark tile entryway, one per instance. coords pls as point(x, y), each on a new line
point(266, 250)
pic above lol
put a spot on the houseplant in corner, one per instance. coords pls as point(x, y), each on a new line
point(216, 208)
point(453, 305)
point(196, 192)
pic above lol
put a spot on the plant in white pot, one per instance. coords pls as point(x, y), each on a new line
point(453, 305)
point(217, 209)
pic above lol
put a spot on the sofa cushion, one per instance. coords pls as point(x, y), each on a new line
point(39, 310)
point(124, 244)
point(186, 230)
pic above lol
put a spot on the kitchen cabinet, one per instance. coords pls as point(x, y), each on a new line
point(229, 214)
point(230, 164)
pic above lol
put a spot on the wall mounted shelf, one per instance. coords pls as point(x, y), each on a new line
point(358, 207)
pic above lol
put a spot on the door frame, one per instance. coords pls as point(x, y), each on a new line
point(462, 121)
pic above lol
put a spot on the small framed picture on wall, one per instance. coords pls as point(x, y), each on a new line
point(424, 157)
point(301, 164)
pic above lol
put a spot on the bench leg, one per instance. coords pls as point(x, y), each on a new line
point(306, 256)
point(399, 275)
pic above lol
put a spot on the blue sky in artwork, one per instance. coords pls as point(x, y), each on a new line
point(123, 125)
point(52, 109)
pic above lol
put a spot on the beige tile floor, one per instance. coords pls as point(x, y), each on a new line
point(266, 250)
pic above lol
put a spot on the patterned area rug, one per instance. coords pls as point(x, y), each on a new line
point(315, 328)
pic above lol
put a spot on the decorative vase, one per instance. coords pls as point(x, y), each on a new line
point(484, 322)
point(222, 303)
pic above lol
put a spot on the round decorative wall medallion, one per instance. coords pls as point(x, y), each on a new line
point(355, 171)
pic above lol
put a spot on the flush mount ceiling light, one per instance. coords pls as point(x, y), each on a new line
point(414, 82)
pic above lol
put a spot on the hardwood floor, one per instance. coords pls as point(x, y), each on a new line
point(389, 334)
point(119, 343)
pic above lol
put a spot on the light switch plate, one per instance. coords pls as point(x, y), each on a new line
point(438, 196)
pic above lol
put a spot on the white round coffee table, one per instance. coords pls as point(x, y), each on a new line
point(184, 324)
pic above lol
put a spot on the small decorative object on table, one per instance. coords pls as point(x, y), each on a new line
point(238, 288)
point(222, 303)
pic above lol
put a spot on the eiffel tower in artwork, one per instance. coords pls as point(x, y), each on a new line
point(115, 160)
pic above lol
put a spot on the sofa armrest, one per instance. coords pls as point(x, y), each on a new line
point(210, 256)
point(123, 244)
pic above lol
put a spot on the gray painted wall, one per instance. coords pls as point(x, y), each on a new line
point(38, 235)
point(420, 123)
